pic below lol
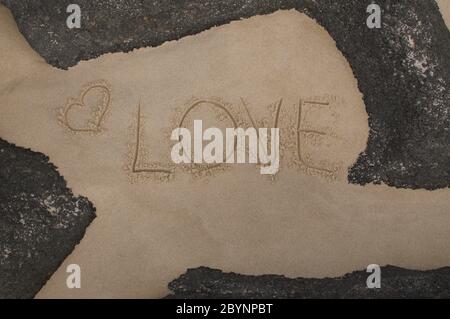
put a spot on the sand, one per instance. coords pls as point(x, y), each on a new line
point(105, 125)
point(444, 6)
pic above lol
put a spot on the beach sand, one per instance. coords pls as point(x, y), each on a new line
point(306, 221)
point(444, 6)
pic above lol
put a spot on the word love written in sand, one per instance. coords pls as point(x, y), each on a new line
point(309, 128)
point(297, 136)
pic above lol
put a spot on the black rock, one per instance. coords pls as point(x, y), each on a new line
point(395, 283)
point(41, 221)
point(403, 68)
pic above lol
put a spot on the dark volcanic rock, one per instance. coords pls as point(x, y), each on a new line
point(403, 69)
point(395, 283)
point(40, 221)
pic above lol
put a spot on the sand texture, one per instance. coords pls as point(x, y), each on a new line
point(444, 6)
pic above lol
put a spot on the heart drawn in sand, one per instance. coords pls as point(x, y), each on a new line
point(86, 113)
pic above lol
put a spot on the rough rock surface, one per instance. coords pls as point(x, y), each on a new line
point(403, 69)
point(395, 283)
point(41, 221)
